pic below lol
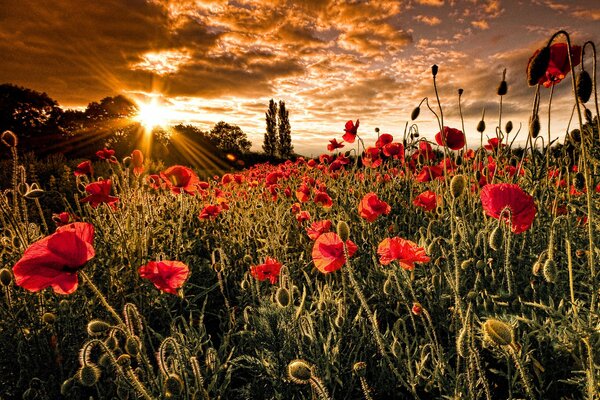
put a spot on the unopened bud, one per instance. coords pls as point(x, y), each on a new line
point(584, 86)
point(299, 371)
point(343, 230)
point(497, 332)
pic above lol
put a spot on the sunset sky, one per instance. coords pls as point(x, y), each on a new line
point(330, 61)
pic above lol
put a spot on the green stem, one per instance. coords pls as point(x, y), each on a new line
point(101, 297)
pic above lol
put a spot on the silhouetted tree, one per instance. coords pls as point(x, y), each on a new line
point(271, 143)
point(285, 148)
point(229, 138)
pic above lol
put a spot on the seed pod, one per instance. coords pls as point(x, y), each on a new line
point(415, 113)
point(579, 181)
point(584, 86)
point(282, 297)
point(5, 276)
point(481, 126)
point(460, 92)
point(462, 342)
point(49, 318)
point(343, 230)
point(173, 385)
point(550, 271)
point(497, 332)
point(496, 239)
point(534, 126)
point(97, 327)
point(299, 371)
point(434, 70)
point(360, 368)
point(503, 87)
point(88, 375)
point(538, 66)
point(509, 127)
point(457, 185)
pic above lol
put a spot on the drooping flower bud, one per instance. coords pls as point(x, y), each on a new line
point(434, 70)
point(343, 230)
point(538, 66)
point(457, 186)
point(496, 239)
point(497, 332)
point(534, 126)
point(415, 113)
point(299, 371)
point(584, 86)
point(509, 127)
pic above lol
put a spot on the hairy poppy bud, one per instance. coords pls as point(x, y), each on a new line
point(9, 139)
point(462, 341)
point(66, 386)
point(537, 268)
point(49, 318)
point(503, 87)
point(124, 360)
point(497, 332)
point(550, 270)
point(481, 126)
point(466, 264)
point(584, 86)
point(457, 185)
point(534, 126)
point(434, 70)
point(415, 113)
point(173, 385)
point(575, 136)
point(509, 127)
point(343, 230)
point(538, 66)
point(5, 276)
point(97, 327)
point(579, 181)
point(496, 238)
point(460, 92)
point(360, 368)
point(132, 346)
point(299, 371)
point(88, 375)
point(282, 297)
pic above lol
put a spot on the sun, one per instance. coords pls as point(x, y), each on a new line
point(152, 115)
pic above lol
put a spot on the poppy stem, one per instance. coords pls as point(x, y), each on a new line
point(101, 297)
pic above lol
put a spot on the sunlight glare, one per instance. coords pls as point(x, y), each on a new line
point(152, 115)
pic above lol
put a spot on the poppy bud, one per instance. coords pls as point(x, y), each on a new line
point(460, 92)
point(434, 70)
point(124, 360)
point(584, 86)
point(49, 318)
point(457, 185)
point(415, 135)
point(481, 126)
point(173, 385)
point(360, 368)
point(509, 127)
point(575, 136)
point(5, 276)
point(9, 139)
point(536, 269)
point(588, 116)
point(88, 375)
point(534, 126)
point(247, 259)
point(538, 66)
point(466, 264)
point(550, 270)
point(415, 113)
point(66, 386)
point(343, 231)
point(579, 181)
point(497, 332)
point(97, 327)
point(417, 308)
point(282, 297)
point(462, 344)
point(132, 346)
point(502, 88)
point(496, 238)
point(299, 371)
point(480, 265)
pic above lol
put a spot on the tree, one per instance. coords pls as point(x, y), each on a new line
point(229, 138)
point(271, 143)
point(285, 148)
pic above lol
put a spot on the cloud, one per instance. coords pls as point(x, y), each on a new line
point(431, 21)
point(481, 24)
point(593, 15)
point(434, 3)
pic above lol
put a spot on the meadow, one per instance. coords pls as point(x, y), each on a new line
point(405, 268)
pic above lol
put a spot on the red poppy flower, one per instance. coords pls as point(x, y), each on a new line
point(137, 160)
point(498, 197)
point(317, 228)
point(384, 138)
point(167, 276)
point(372, 157)
point(63, 218)
point(558, 66)
point(99, 192)
point(54, 260)
point(494, 144)
point(407, 253)
point(428, 173)
point(469, 154)
point(455, 139)
point(427, 200)
point(302, 216)
point(351, 130)
point(325, 158)
point(180, 179)
point(370, 207)
point(328, 252)
point(303, 193)
point(394, 150)
point(210, 212)
point(323, 199)
point(84, 168)
point(269, 270)
point(333, 144)
point(106, 154)
point(417, 308)
point(155, 182)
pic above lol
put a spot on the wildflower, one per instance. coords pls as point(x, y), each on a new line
point(417, 308)
point(167, 276)
point(302, 216)
point(351, 131)
point(99, 192)
point(407, 253)
point(63, 218)
point(395, 150)
point(384, 139)
point(328, 252)
point(370, 207)
point(269, 270)
point(54, 260)
point(317, 228)
point(497, 198)
point(333, 144)
point(210, 212)
point(180, 179)
point(155, 182)
point(106, 154)
point(494, 144)
point(427, 200)
point(84, 168)
point(454, 138)
point(372, 157)
point(429, 173)
point(323, 199)
point(558, 65)
point(303, 193)
point(137, 159)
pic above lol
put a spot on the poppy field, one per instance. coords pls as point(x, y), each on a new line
point(424, 269)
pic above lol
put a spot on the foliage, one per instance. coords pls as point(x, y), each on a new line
point(271, 141)
point(284, 144)
point(229, 138)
